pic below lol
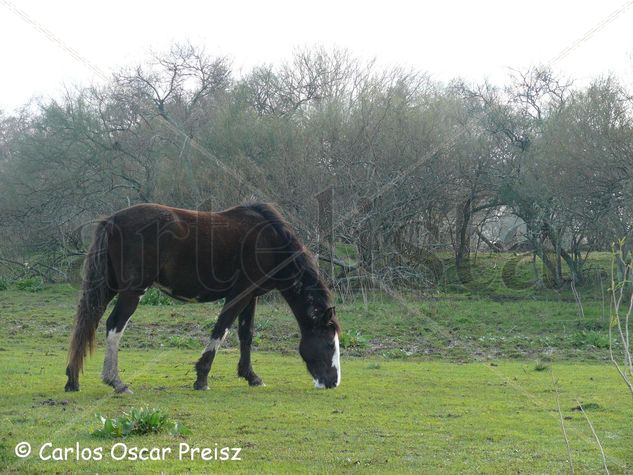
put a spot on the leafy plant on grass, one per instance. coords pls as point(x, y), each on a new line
point(32, 284)
point(352, 339)
point(4, 283)
point(156, 297)
point(540, 366)
point(590, 338)
point(138, 422)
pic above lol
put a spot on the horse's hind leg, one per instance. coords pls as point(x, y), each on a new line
point(245, 331)
point(123, 310)
point(229, 313)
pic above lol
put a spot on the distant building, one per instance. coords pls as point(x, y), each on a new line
point(505, 229)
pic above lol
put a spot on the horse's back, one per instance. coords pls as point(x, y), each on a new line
point(194, 254)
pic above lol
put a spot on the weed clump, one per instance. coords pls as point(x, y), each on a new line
point(156, 297)
point(540, 366)
point(352, 340)
point(33, 284)
point(138, 422)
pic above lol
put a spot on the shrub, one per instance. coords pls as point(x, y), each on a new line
point(352, 339)
point(4, 283)
point(156, 297)
point(590, 338)
point(33, 284)
point(138, 422)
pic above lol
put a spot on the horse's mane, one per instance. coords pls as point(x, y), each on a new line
point(303, 261)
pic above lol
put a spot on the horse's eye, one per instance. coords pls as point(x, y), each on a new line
point(330, 346)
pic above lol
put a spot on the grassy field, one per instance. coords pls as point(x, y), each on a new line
point(461, 379)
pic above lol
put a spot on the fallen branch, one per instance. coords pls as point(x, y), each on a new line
point(30, 269)
point(562, 426)
point(339, 262)
point(604, 458)
point(494, 247)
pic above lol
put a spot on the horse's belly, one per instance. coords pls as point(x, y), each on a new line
point(192, 293)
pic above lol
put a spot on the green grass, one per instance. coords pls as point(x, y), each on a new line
point(393, 416)
point(459, 380)
point(451, 326)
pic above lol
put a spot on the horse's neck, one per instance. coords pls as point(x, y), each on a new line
point(304, 297)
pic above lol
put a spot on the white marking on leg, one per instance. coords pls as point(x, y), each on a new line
point(336, 359)
point(215, 343)
point(110, 363)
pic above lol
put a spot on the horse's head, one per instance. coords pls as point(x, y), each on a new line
point(319, 348)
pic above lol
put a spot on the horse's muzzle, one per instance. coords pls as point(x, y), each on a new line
point(327, 385)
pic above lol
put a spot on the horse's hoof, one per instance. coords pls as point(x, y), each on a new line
point(123, 390)
point(256, 381)
point(71, 388)
point(200, 387)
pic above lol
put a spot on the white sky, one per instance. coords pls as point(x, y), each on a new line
point(446, 38)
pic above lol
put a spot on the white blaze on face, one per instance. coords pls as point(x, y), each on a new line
point(336, 363)
point(336, 359)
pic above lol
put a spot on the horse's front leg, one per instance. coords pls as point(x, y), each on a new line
point(123, 310)
point(245, 332)
point(229, 313)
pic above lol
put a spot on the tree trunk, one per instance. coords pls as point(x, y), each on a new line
point(462, 244)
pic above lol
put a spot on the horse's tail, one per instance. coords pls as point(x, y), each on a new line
point(95, 295)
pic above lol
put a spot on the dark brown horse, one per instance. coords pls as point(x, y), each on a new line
point(237, 254)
